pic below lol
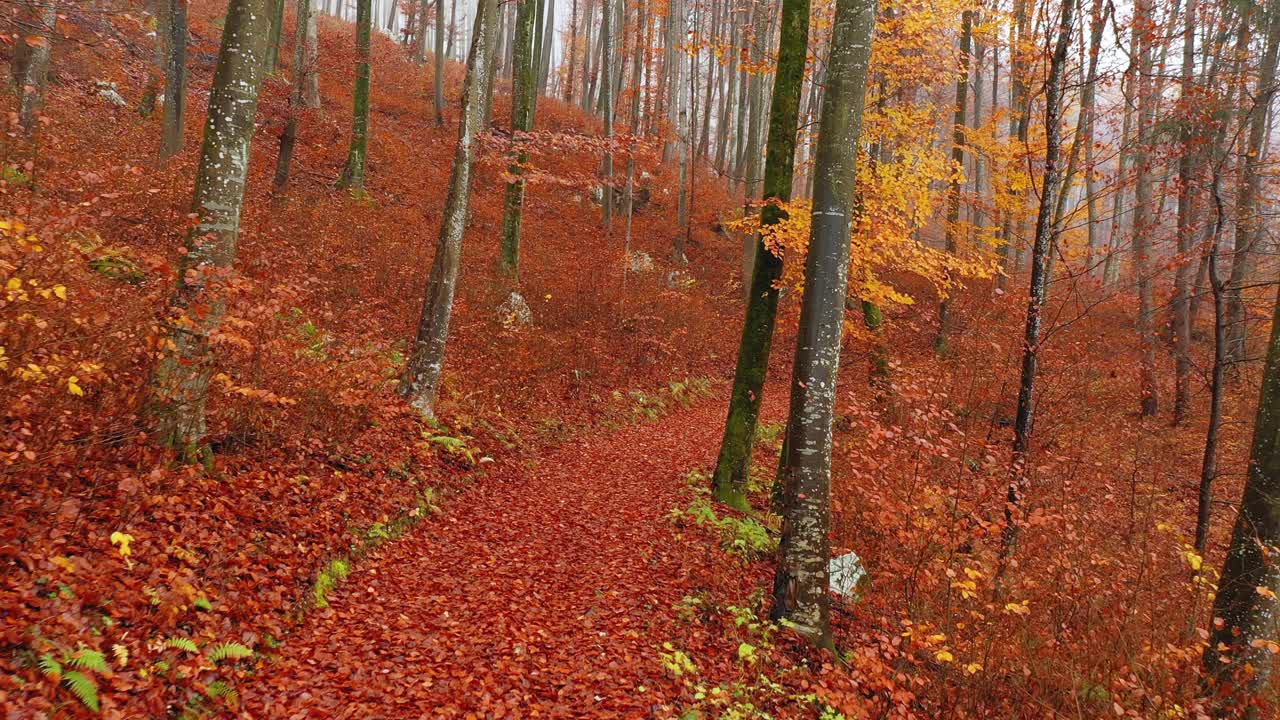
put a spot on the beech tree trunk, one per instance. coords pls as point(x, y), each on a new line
point(175, 78)
point(438, 80)
point(957, 158)
point(1248, 218)
point(1045, 235)
point(179, 383)
point(733, 466)
point(311, 63)
point(523, 99)
point(31, 53)
point(1238, 661)
point(1190, 137)
point(606, 95)
point(1142, 209)
point(357, 155)
point(297, 98)
point(800, 594)
point(421, 380)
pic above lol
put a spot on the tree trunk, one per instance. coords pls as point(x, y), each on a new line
point(800, 594)
point(297, 97)
point(548, 42)
point(1248, 218)
point(606, 95)
point(421, 380)
point(1045, 236)
point(571, 52)
point(1238, 661)
point(957, 159)
point(733, 466)
point(1142, 209)
point(1190, 138)
point(277, 29)
point(311, 64)
point(438, 80)
point(179, 383)
point(30, 66)
point(353, 174)
point(175, 78)
point(523, 98)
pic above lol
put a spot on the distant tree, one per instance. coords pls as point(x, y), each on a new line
point(606, 101)
point(311, 61)
point(951, 229)
point(421, 380)
point(523, 98)
point(175, 78)
point(357, 155)
point(438, 69)
point(733, 466)
point(180, 380)
point(277, 30)
point(800, 594)
point(30, 65)
point(302, 74)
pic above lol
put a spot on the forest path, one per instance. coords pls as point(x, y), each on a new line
point(544, 591)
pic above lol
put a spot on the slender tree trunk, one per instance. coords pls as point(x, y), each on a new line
point(357, 156)
point(957, 159)
point(311, 64)
point(1142, 209)
point(421, 380)
point(548, 42)
point(1045, 235)
point(277, 29)
point(179, 383)
point(296, 98)
point(800, 594)
point(30, 65)
point(571, 53)
point(523, 99)
point(730, 95)
point(1248, 217)
point(438, 80)
point(606, 95)
point(1186, 225)
point(733, 466)
point(175, 79)
point(1217, 382)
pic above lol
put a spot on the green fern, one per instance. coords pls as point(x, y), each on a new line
point(89, 660)
point(50, 666)
point(84, 688)
point(181, 643)
point(230, 650)
point(220, 689)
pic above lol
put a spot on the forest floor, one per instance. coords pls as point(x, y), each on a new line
point(539, 594)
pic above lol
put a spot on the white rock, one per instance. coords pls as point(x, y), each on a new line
point(639, 261)
point(109, 92)
point(514, 311)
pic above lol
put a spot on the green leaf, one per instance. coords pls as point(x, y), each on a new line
point(231, 650)
point(84, 688)
point(181, 643)
point(49, 666)
point(89, 660)
point(747, 652)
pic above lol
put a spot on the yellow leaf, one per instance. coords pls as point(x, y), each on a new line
point(123, 540)
point(60, 291)
point(72, 387)
point(943, 656)
point(1266, 592)
point(972, 668)
point(63, 562)
point(1018, 608)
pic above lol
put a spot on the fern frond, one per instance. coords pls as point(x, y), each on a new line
point(181, 643)
point(222, 689)
point(231, 650)
point(84, 688)
point(121, 654)
point(89, 660)
point(50, 666)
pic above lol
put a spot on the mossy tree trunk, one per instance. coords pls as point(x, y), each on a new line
point(800, 594)
point(421, 380)
point(179, 383)
point(175, 78)
point(277, 30)
point(523, 99)
point(733, 466)
point(357, 155)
